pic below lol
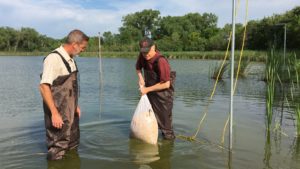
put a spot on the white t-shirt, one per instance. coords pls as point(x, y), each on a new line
point(54, 66)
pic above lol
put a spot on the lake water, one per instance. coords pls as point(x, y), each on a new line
point(105, 121)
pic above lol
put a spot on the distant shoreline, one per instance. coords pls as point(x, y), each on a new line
point(248, 54)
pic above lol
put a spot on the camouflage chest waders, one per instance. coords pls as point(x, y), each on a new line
point(161, 101)
point(65, 95)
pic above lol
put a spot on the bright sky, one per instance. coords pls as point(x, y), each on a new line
point(55, 18)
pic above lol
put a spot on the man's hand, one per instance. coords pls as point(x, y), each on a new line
point(57, 121)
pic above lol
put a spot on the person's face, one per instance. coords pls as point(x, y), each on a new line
point(148, 55)
point(79, 47)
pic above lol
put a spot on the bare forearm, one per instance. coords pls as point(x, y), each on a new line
point(47, 97)
point(139, 74)
point(158, 87)
point(140, 77)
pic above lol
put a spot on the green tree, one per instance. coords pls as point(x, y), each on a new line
point(139, 22)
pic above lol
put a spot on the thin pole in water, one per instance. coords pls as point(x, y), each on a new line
point(284, 47)
point(100, 74)
point(232, 73)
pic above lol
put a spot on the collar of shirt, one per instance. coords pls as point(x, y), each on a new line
point(64, 53)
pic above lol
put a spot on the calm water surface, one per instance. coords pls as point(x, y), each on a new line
point(105, 128)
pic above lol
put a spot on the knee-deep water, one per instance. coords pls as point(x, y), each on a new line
point(107, 109)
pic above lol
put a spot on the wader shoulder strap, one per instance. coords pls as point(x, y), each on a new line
point(63, 59)
point(65, 62)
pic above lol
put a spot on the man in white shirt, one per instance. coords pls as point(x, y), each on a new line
point(59, 89)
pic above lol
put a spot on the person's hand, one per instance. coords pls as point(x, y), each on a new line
point(143, 90)
point(78, 111)
point(57, 121)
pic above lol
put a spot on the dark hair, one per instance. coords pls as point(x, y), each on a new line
point(76, 36)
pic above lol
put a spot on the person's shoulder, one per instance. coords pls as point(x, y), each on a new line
point(52, 57)
point(162, 59)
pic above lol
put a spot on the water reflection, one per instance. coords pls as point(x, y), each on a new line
point(165, 153)
point(296, 153)
point(151, 156)
point(229, 164)
point(71, 160)
point(143, 153)
point(268, 148)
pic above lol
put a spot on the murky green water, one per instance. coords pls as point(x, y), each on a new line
point(104, 134)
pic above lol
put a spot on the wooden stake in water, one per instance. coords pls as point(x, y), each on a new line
point(100, 75)
point(232, 73)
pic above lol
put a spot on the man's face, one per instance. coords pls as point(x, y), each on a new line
point(79, 47)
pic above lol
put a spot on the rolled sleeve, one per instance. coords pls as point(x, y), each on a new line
point(49, 69)
point(164, 70)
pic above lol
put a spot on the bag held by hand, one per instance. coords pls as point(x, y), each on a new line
point(143, 124)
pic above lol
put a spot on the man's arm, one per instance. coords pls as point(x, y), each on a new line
point(45, 90)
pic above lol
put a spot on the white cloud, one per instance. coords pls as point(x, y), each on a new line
point(56, 18)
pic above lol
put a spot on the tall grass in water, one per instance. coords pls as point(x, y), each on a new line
point(292, 70)
point(218, 69)
point(288, 76)
point(272, 67)
point(242, 69)
point(289, 80)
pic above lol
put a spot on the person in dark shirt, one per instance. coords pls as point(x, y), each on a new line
point(157, 83)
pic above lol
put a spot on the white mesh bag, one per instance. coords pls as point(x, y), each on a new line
point(143, 124)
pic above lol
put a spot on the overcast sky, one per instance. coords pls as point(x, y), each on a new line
point(55, 18)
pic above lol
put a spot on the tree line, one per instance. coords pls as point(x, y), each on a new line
point(191, 32)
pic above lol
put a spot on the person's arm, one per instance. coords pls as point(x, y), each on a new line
point(140, 77)
point(45, 90)
point(164, 73)
point(138, 67)
point(156, 87)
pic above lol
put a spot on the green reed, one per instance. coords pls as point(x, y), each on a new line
point(283, 71)
point(272, 68)
point(244, 63)
point(218, 69)
point(292, 71)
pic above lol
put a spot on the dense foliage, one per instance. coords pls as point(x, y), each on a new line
point(191, 32)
